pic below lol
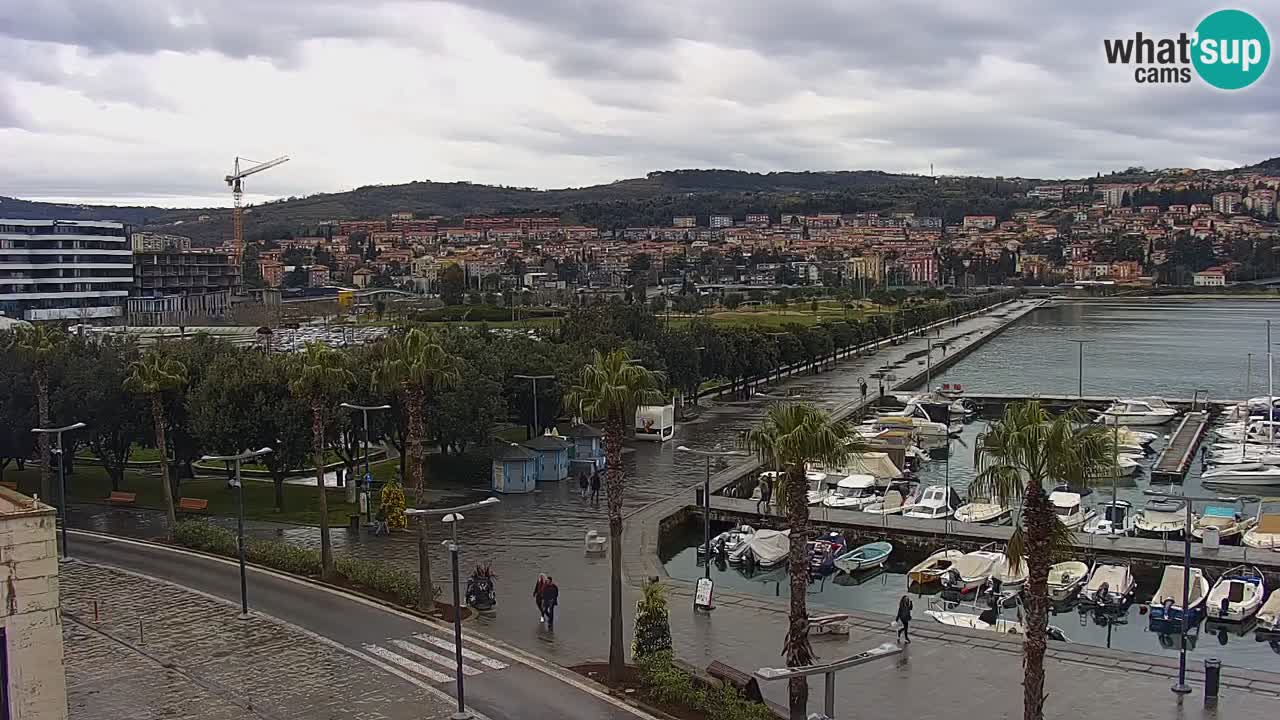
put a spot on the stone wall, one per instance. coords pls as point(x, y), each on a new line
point(29, 612)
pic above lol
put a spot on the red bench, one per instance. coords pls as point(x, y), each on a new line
point(192, 505)
point(122, 498)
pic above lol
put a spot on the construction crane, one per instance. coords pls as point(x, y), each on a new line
point(237, 192)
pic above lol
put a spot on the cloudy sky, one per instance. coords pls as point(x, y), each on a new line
point(150, 100)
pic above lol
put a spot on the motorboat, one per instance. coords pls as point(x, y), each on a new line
point(730, 542)
point(820, 486)
point(1243, 474)
point(938, 502)
point(989, 620)
point(971, 570)
point(983, 510)
point(876, 464)
point(1115, 519)
point(1069, 509)
point(891, 503)
point(1161, 518)
point(1269, 614)
point(915, 418)
point(1228, 523)
point(1148, 411)
point(853, 493)
point(1266, 531)
point(1237, 595)
point(1242, 453)
point(1110, 585)
point(1250, 431)
point(1066, 579)
point(1006, 578)
point(1133, 442)
point(1166, 605)
point(931, 569)
point(769, 548)
point(1121, 466)
point(865, 557)
point(823, 552)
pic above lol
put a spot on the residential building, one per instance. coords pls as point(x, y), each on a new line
point(1227, 202)
point(401, 216)
point(685, 221)
point(64, 269)
point(272, 272)
point(347, 227)
point(866, 269)
point(1261, 201)
point(317, 276)
point(721, 221)
point(361, 278)
point(158, 242)
point(1116, 195)
point(757, 219)
point(30, 620)
point(173, 288)
point(979, 222)
point(1210, 277)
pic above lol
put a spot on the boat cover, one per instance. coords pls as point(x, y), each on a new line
point(770, 546)
point(1269, 524)
point(1116, 578)
point(892, 499)
point(874, 463)
point(1171, 587)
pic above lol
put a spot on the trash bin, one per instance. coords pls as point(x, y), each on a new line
point(1211, 538)
point(353, 523)
point(1212, 677)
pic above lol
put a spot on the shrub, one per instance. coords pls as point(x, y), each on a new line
point(668, 684)
point(653, 630)
point(200, 535)
point(392, 500)
point(382, 578)
point(284, 557)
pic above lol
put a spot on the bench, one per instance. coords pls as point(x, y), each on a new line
point(192, 505)
point(744, 682)
point(121, 498)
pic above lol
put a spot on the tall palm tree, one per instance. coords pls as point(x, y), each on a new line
point(791, 436)
point(40, 345)
point(610, 388)
point(319, 376)
point(152, 375)
point(1017, 458)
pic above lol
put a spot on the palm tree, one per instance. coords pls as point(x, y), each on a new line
point(610, 388)
point(152, 375)
point(791, 436)
point(1021, 454)
point(319, 376)
point(39, 345)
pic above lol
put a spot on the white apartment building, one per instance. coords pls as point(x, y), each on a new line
point(64, 269)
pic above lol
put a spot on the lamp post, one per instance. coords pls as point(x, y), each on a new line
point(1080, 384)
point(928, 365)
point(453, 516)
point(62, 477)
point(706, 509)
point(237, 459)
point(535, 379)
point(368, 477)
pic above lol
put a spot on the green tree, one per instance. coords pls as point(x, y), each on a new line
point(41, 346)
point(152, 376)
point(610, 388)
point(791, 436)
point(453, 284)
point(653, 628)
point(732, 300)
point(92, 391)
point(1017, 458)
point(17, 408)
point(320, 378)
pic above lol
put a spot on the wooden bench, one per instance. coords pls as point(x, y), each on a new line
point(192, 505)
point(744, 682)
point(121, 498)
point(11, 485)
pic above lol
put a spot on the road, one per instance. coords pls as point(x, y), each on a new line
point(500, 682)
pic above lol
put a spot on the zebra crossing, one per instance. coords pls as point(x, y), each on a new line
point(431, 658)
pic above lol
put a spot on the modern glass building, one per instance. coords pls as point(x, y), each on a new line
point(64, 269)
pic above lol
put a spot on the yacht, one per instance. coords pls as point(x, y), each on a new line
point(937, 503)
point(853, 493)
point(1266, 530)
point(1237, 595)
point(1148, 411)
point(1243, 474)
point(1251, 431)
point(1161, 518)
point(1114, 520)
point(983, 510)
point(820, 486)
point(1228, 523)
point(1067, 506)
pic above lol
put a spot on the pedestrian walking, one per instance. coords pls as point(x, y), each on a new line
point(595, 487)
point(766, 492)
point(862, 385)
point(582, 485)
point(904, 618)
point(550, 599)
point(537, 596)
point(381, 519)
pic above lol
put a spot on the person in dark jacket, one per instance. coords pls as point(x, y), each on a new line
point(904, 618)
point(595, 487)
point(766, 492)
point(537, 596)
point(550, 599)
point(582, 485)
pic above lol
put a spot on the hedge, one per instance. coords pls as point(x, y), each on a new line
point(667, 684)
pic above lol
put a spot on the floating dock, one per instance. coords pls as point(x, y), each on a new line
point(1172, 463)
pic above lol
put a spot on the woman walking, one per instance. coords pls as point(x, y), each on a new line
point(904, 618)
point(537, 597)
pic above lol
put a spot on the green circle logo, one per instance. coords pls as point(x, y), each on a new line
point(1232, 49)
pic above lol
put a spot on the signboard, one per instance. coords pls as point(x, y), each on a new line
point(702, 594)
point(368, 479)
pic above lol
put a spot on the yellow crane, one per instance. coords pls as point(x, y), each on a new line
point(237, 193)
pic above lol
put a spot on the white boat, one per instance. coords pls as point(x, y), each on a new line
point(988, 620)
point(1066, 579)
point(983, 510)
point(1166, 604)
point(876, 464)
point(1115, 519)
point(853, 493)
point(1109, 585)
point(1161, 518)
point(937, 503)
point(1005, 579)
point(819, 488)
point(891, 503)
point(1128, 437)
point(1121, 466)
point(1069, 509)
point(1243, 474)
point(932, 568)
point(1229, 523)
point(731, 542)
point(1237, 595)
point(915, 418)
point(866, 557)
point(1269, 614)
point(1266, 531)
point(769, 547)
point(1147, 411)
point(971, 570)
point(1251, 431)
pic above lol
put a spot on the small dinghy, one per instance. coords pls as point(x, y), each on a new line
point(971, 570)
point(823, 552)
point(1166, 604)
point(865, 557)
point(931, 569)
point(1066, 579)
point(983, 510)
point(1237, 595)
point(1109, 586)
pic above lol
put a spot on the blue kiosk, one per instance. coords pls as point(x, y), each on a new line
point(515, 469)
point(588, 447)
point(553, 457)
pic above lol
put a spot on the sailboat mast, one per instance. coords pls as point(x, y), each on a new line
point(1271, 395)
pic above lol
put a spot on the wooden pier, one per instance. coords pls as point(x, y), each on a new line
point(1171, 466)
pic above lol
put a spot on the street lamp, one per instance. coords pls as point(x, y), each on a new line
point(62, 477)
point(237, 459)
point(1080, 386)
point(928, 366)
point(706, 506)
point(453, 516)
point(535, 379)
point(368, 477)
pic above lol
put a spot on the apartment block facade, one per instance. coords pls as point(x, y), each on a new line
point(64, 269)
